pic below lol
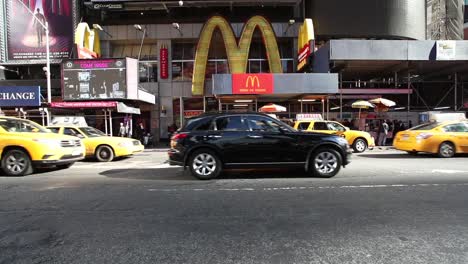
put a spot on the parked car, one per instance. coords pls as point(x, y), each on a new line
point(359, 140)
point(99, 145)
point(211, 143)
point(442, 138)
point(25, 145)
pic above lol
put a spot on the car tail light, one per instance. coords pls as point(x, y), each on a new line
point(179, 136)
point(424, 136)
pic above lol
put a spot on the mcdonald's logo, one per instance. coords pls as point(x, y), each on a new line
point(252, 81)
point(305, 43)
point(87, 42)
point(237, 52)
point(261, 83)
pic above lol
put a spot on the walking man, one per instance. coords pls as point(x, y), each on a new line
point(383, 133)
point(39, 28)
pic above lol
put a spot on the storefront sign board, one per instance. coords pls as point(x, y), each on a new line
point(261, 83)
point(12, 96)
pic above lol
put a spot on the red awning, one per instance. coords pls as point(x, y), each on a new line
point(96, 104)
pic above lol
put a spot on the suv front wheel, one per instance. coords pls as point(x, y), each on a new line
point(204, 164)
point(325, 163)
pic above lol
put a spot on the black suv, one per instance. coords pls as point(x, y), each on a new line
point(211, 142)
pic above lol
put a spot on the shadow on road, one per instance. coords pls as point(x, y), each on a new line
point(177, 174)
point(264, 174)
point(156, 174)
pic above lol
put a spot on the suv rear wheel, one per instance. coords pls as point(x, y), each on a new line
point(325, 163)
point(204, 164)
point(16, 162)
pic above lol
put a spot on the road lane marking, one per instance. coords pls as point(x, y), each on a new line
point(292, 188)
point(449, 171)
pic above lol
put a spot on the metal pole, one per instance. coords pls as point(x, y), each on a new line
point(181, 106)
point(105, 122)
point(328, 108)
point(301, 106)
point(341, 96)
point(110, 122)
point(204, 104)
point(409, 87)
point(49, 88)
point(141, 44)
point(456, 86)
point(323, 107)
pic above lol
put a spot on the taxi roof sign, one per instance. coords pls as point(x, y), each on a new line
point(308, 116)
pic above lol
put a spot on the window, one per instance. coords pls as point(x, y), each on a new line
point(459, 127)
point(303, 125)
point(21, 126)
point(183, 57)
point(231, 123)
point(72, 132)
point(262, 124)
point(320, 126)
point(148, 71)
point(427, 126)
point(335, 127)
point(199, 124)
point(54, 129)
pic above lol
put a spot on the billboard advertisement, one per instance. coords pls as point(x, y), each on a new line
point(26, 37)
point(94, 79)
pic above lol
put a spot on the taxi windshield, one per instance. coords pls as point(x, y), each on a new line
point(21, 126)
point(426, 126)
point(92, 132)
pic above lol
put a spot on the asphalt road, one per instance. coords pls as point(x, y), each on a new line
point(385, 207)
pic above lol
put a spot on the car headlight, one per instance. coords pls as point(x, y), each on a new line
point(50, 142)
point(125, 144)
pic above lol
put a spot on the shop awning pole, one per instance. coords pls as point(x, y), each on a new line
point(323, 107)
point(408, 111)
point(455, 80)
point(105, 122)
point(110, 122)
point(341, 96)
point(204, 104)
point(181, 108)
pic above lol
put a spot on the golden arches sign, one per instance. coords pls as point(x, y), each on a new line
point(237, 54)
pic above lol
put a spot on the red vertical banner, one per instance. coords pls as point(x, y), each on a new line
point(163, 57)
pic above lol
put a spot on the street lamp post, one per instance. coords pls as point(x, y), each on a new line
point(46, 28)
point(139, 28)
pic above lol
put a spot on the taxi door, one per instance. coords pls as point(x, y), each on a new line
point(338, 129)
point(322, 127)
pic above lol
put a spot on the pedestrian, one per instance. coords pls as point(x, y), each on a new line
point(122, 130)
point(410, 125)
point(171, 130)
point(383, 132)
point(140, 132)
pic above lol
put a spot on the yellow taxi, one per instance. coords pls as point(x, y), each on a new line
point(442, 138)
point(25, 145)
point(99, 145)
point(359, 140)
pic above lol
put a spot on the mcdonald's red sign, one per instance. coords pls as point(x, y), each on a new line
point(261, 83)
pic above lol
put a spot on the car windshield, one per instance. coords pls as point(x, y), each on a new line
point(426, 126)
point(92, 132)
point(21, 126)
